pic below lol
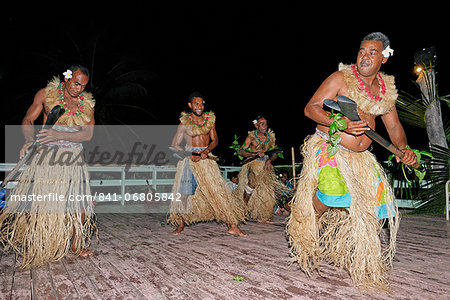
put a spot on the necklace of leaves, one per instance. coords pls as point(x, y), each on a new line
point(336, 126)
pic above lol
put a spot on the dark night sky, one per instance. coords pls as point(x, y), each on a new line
point(246, 59)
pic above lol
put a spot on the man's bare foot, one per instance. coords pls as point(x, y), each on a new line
point(179, 229)
point(86, 253)
point(266, 221)
point(233, 229)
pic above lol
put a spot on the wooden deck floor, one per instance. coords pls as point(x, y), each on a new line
point(136, 257)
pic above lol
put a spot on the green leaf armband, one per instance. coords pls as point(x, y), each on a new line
point(336, 126)
point(419, 153)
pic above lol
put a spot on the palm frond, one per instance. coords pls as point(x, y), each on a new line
point(433, 190)
point(447, 130)
point(411, 110)
point(445, 99)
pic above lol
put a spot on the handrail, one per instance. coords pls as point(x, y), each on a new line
point(447, 196)
point(123, 181)
point(155, 182)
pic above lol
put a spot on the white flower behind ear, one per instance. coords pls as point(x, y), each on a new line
point(388, 52)
point(67, 74)
point(254, 122)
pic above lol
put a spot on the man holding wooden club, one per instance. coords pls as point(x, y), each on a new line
point(49, 213)
point(343, 193)
point(258, 184)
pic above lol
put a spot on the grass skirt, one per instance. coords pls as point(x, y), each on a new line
point(347, 238)
point(41, 229)
point(212, 199)
point(267, 188)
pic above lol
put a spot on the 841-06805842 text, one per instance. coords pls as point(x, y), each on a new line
point(156, 197)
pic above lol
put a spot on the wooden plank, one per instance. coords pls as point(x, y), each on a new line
point(104, 286)
point(62, 281)
point(7, 263)
point(21, 285)
point(80, 280)
point(43, 285)
point(140, 262)
point(137, 258)
point(113, 275)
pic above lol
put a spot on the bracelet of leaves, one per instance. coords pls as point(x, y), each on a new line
point(275, 147)
point(336, 126)
point(420, 175)
point(236, 146)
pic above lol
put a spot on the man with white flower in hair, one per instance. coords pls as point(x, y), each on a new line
point(258, 184)
point(43, 231)
point(343, 196)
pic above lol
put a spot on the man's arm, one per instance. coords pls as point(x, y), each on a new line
point(273, 157)
point(178, 138)
point(247, 144)
point(214, 141)
point(83, 135)
point(268, 164)
point(398, 136)
point(32, 114)
point(329, 89)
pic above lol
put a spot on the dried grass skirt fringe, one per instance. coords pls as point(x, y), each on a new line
point(42, 231)
point(347, 238)
point(267, 189)
point(212, 199)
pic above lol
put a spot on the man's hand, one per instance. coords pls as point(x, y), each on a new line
point(409, 158)
point(25, 149)
point(268, 165)
point(48, 135)
point(259, 153)
point(356, 127)
point(204, 154)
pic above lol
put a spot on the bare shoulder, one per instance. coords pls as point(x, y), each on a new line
point(336, 83)
point(336, 79)
point(247, 142)
point(36, 107)
point(40, 96)
point(332, 86)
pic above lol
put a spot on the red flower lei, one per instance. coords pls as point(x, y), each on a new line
point(191, 121)
point(362, 86)
point(62, 103)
